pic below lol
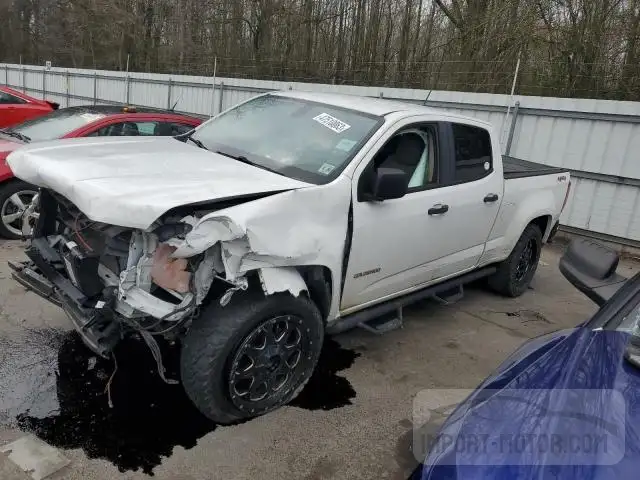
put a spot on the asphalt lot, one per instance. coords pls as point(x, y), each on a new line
point(354, 421)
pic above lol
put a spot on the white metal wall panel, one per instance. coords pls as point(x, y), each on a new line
point(149, 94)
point(623, 205)
point(546, 130)
point(233, 97)
point(196, 100)
point(577, 212)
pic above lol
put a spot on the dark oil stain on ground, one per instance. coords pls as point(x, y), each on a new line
point(53, 386)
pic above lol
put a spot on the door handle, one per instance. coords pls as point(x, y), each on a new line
point(491, 197)
point(438, 209)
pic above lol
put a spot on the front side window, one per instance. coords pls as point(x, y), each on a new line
point(56, 124)
point(411, 150)
point(473, 157)
point(8, 99)
point(305, 140)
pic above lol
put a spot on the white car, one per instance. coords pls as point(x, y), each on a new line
point(300, 214)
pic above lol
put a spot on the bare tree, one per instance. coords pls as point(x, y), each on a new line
point(585, 48)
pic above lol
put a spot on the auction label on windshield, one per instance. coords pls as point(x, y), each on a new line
point(332, 123)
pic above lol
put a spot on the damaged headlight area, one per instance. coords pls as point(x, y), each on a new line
point(156, 284)
point(113, 281)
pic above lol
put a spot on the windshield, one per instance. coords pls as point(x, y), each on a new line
point(56, 124)
point(305, 140)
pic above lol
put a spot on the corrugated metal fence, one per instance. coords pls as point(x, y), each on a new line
point(597, 140)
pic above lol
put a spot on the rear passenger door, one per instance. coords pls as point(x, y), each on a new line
point(13, 110)
point(473, 193)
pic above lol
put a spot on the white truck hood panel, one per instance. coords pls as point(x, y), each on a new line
point(131, 182)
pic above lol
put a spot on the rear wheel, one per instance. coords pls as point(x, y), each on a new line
point(15, 198)
point(251, 356)
point(515, 273)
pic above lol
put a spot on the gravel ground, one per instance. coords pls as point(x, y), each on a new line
point(354, 421)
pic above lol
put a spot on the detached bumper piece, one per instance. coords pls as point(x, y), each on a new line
point(89, 315)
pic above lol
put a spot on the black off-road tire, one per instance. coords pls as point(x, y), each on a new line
point(210, 345)
point(505, 281)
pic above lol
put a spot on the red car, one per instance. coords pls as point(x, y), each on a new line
point(73, 122)
point(16, 107)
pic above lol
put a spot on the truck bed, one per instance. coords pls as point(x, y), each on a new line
point(517, 168)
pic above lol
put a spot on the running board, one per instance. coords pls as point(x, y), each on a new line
point(380, 325)
point(448, 291)
point(450, 296)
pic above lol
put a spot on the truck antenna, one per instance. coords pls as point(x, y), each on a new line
point(427, 99)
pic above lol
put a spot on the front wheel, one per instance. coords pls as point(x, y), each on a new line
point(251, 356)
point(515, 273)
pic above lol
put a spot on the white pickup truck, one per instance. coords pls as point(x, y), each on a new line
point(284, 218)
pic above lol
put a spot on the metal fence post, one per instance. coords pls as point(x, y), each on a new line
point(512, 128)
point(220, 99)
point(169, 95)
point(67, 86)
point(24, 79)
point(95, 87)
point(44, 82)
point(213, 87)
point(128, 83)
point(6, 74)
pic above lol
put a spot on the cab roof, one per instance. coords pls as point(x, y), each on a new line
point(369, 105)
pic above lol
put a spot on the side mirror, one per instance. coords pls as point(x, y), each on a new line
point(389, 183)
point(591, 268)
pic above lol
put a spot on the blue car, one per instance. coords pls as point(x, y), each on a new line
point(566, 405)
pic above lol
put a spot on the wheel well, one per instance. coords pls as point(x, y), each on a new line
point(319, 282)
point(542, 223)
point(317, 278)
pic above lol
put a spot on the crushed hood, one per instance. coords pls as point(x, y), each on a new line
point(131, 182)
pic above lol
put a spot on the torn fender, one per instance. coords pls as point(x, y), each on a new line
point(281, 279)
point(289, 229)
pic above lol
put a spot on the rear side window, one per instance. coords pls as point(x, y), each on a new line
point(473, 153)
point(143, 129)
point(127, 129)
point(7, 99)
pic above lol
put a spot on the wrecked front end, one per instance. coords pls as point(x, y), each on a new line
point(115, 281)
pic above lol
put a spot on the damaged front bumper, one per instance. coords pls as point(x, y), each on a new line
point(114, 281)
point(97, 330)
point(118, 280)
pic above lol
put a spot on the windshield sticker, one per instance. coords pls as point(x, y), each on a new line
point(326, 168)
point(345, 145)
point(332, 123)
